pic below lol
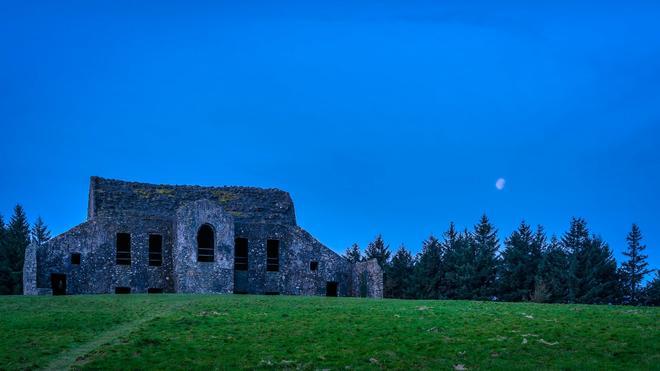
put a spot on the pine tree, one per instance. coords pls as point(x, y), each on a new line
point(5, 271)
point(428, 274)
point(592, 269)
point(457, 265)
point(601, 281)
point(575, 242)
point(651, 293)
point(353, 254)
point(399, 275)
point(485, 245)
point(520, 263)
point(40, 233)
point(448, 277)
point(553, 271)
point(377, 249)
point(18, 238)
point(634, 269)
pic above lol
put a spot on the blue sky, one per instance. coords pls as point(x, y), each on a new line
point(384, 117)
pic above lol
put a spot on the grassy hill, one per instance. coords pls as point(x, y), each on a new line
point(231, 331)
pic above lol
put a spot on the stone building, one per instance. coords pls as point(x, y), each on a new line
point(145, 238)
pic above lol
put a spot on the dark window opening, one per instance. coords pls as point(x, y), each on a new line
point(272, 293)
point(122, 290)
point(58, 283)
point(331, 289)
point(155, 250)
point(241, 254)
point(205, 244)
point(123, 249)
point(154, 290)
point(75, 258)
point(272, 255)
point(313, 266)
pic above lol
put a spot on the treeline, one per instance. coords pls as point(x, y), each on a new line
point(14, 238)
point(471, 264)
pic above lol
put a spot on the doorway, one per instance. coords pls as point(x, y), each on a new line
point(331, 289)
point(58, 283)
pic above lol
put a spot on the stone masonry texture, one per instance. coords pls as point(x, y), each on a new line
point(83, 260)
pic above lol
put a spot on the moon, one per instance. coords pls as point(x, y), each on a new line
point(500, 183)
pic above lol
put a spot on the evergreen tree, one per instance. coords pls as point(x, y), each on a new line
point(40, 233)
point(399, 275)
point(377, 249)
point(651, 294)
point(457, 265)
point(484, 244)
point(575, 242)
point(18, 238)
point(428, 274)
point(553, 272)
point(353, 254)
point(602, 280)
point(520, 263)
point(592, 269)
point(634, 269)
point(5, 271)
point(3, 234)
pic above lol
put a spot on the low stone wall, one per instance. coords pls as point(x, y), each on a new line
point(367, 279)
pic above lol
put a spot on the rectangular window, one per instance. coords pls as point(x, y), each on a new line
point(155, 250)
point(154, 290)
point(273, 255)
point(75, 258)
point(313, 266)
point(122, 290)
point(272, 293)
point(123, 248)
point(241, 254)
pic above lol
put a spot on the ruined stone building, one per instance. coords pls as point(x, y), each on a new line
point(145, 238)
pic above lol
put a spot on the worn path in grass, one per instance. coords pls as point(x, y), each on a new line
point(76, 356)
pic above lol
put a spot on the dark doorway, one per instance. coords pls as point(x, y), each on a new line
point(154, 290)
point(205, 244)
point(123, 248)
point(58, 283)
point(241, 250)
point(122, 290)
point(331, 289)
point(272, 255)
point(155, 250)
point(241, 254)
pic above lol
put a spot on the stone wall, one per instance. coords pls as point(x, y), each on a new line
point(203, 277)
point(176, 213)
point(30, 270)
point(367, 279)
point(98, 272)
point(116, 198)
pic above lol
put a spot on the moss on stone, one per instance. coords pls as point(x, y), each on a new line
point(224, 196)
point(142, 192)
point(165, 191)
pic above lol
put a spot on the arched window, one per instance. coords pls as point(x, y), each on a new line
point(205, 244)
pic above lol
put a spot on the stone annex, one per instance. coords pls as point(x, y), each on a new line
point(145, 238)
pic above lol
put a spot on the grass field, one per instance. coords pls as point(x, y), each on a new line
point(231, 331)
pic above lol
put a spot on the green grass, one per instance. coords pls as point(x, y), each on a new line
point(232, 331)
